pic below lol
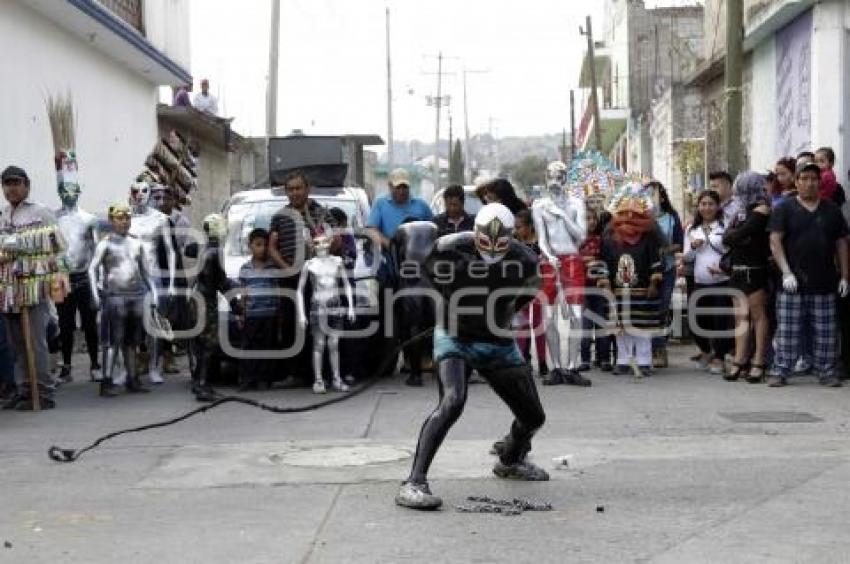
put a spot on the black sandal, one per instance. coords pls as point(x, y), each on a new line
point(736, 373)
point(756, 379)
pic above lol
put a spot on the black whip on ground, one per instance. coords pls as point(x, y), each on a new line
point(71, 455)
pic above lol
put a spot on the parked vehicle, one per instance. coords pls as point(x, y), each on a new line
point(251, 209)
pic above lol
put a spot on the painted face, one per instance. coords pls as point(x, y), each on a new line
point(156, 199)
point(140, 194)
point(556, 173)
point(119, 217)
point(322, 245)
point(69, 194)
point(215, 226)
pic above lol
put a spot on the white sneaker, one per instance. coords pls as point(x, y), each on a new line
point(339, 386)
point(155, 377)
point(96, 375)
point(319, 387)
point(120, 377)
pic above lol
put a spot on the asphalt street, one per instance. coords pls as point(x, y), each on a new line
point(678, 467)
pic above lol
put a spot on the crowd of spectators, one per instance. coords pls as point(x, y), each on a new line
point(774, 246)
point(763, 262)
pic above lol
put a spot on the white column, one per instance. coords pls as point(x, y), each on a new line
point(763, 150)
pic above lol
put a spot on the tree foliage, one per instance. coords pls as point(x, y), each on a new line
point(456, 164)
point(527, 172)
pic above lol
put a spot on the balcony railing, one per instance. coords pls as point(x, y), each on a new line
point(131, 11)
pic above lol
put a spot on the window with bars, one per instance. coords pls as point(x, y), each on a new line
point(128, 10)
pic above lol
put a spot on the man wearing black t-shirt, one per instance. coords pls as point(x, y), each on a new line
point(806, 234)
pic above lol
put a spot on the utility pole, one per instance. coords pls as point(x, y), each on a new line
point(389, 99)
point(438, 102)
point(597, 125)
point(572, 123)
point(271, 91)
point(564, 146)
point(733, 79)
point(450, 134)
point(467, 162)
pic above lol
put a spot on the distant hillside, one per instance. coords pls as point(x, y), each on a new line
point(488, 153)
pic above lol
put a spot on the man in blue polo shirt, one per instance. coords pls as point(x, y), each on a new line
point(391, 211)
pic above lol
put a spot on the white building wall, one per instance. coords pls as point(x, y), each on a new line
point(167, 28)
point(830, 95)
point(115, 108)
point(763, 107)
point(830, 109)
point(661, 131)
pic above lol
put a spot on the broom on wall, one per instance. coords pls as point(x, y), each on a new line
point(60, 112)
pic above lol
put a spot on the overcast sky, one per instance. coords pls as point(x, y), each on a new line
point(333, 65)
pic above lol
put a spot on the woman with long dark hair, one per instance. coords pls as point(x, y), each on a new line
point(749, 248)
point(670, 225)
point(501, 191)
point(703, 246)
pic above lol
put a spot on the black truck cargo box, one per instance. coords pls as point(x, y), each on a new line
point(322, 158)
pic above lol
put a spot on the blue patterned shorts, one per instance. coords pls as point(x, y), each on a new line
point(479, 355)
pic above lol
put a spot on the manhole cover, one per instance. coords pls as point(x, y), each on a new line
point(770, 417)
point(336, 456)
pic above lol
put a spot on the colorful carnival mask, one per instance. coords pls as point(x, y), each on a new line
point(322, 245)
point(494, 227)
point(633, 212)
point(593, 178)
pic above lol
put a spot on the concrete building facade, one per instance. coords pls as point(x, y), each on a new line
point(642, 53)
point(676, 126)
point(795, 90)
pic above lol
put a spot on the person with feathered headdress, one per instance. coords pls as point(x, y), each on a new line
point(630, 250)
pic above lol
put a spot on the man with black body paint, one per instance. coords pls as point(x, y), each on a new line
point(483, 297)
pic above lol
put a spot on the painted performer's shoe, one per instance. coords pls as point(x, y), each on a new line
point(319, 387)
point(523, 470)
point(96, 374)
point(155, 377)
point(339, 386)
point(417, 496)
